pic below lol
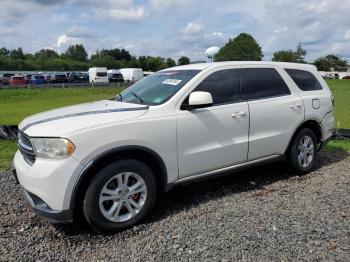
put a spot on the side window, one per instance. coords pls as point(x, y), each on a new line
point(224, 86)
point(259, 83)
point(305, 80)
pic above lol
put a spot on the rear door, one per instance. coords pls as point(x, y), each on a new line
point(216, 136)
point(275, 110)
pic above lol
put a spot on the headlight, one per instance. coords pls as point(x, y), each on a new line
point(53, 148)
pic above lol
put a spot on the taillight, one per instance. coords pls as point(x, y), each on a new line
point(332, 98)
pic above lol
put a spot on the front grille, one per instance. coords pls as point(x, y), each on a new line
point(26, 148)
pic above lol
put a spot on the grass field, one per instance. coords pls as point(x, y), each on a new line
point(341, 93)
point(15, 104)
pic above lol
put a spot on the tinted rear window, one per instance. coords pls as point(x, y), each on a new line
point(305, 80)
point(259, 83)
point(101, 74)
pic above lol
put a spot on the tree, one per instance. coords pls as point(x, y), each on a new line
point(17, 53)
point(4, 52)
point(334, 61)
point(170, 62)
point(46, 54)
point(76, 52)
point(155, 63)
point(296, 56)
point(183, 60)
point(242, 48)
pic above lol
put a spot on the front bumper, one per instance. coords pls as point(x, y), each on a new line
point(51, 181)
point(48, 214)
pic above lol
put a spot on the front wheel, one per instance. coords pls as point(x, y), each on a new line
point(120, 196)
point(303, 151)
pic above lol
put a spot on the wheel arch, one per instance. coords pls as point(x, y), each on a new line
point(143, 154)
point(312, 124)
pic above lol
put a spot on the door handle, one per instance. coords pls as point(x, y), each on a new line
point(239, 114)
point(295, 106)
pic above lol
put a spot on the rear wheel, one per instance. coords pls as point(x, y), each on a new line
point(303, 151)
point(120, 196)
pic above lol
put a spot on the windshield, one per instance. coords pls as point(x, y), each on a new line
point(101, 74)
point(39, 77)
point(7, 75)
point(156, 88)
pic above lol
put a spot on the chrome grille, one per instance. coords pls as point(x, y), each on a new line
point(26, 148)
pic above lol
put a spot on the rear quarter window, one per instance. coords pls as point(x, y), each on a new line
point(260, 83)
point(305, 80)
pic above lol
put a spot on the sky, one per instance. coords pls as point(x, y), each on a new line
point(170, 28)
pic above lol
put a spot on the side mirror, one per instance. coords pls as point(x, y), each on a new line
point(199, 99)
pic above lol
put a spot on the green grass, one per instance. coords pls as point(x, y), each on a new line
point(341, 93)
point(7, 151)
point(16, 104)
point(338, 145)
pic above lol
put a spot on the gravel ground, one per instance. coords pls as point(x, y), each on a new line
point(261, 214)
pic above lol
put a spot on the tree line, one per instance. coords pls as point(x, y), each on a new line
point(241, 48)
point(76, 58)
point(245, 48)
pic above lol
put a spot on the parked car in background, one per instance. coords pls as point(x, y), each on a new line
point(48, 78)
point(114, 75)
point(60, 78)
point(78, 77)
point(346, 77)
point(17, 80)
point(98, 75)
point(131, 74)
point(109, 160)
point(5, 78)
point(27, 77)
point(37, 80)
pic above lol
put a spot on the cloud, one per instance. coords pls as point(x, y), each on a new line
point(159, 27)
point(131, 14)
point(347, 35)
point(217, 34)
point(76, 31)
point(193, 29)
point(166, 4)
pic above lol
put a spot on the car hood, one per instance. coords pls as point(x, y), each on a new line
point(59, 122)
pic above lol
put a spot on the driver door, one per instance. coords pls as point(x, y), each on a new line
point(216, 136)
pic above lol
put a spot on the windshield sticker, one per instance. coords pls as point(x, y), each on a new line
point(171, 73)
point(173, 82)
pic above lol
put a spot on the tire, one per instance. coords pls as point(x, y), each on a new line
point(97, 209)
point(303, 151)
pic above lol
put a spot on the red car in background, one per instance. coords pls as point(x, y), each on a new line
point(5, 78)
point(346, 77)
point(17, 80)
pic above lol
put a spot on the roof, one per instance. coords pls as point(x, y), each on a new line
point(202, 66)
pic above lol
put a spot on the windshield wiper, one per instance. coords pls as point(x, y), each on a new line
point(138, 97)
point(118, 97)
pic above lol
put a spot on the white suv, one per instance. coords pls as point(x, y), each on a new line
point(109, 159)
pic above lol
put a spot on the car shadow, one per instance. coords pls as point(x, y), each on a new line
point(186, 197)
